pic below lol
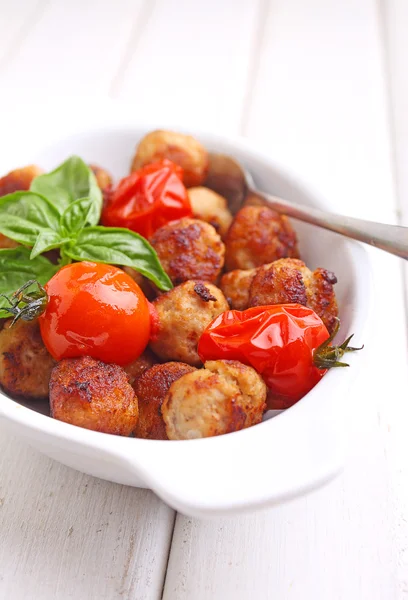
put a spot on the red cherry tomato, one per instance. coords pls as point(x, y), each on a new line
point(148, 199)
point(95, 310)
point(278, 341)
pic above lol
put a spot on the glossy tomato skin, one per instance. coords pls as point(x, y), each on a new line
point(95, 310)
point(278, 341)
point(148, 198)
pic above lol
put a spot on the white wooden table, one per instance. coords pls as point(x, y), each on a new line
point(322, 85)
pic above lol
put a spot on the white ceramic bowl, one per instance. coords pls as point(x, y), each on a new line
point(283, 457)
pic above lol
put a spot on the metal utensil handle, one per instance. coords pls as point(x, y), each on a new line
point(391, 238)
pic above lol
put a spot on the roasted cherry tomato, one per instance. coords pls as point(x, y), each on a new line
point(95, 310)
point(148, 199)
point(287, 344)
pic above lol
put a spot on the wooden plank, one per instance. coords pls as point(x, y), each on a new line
point(191, 65)
point(73, 50)
point(313, 548)
point(16, 24)
point(67, 535)
point(319, 107)
point(395, 20)
point(395, 17)
point(320, 88)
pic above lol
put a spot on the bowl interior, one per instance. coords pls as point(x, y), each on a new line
point(113, 149)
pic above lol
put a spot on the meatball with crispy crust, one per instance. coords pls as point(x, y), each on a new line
point(235, 286)
point(148, 288)
point(210, 207)
point(15, 181)
point(289, 281)
point(189, 249)
point(258, 235)
point(223, 397)
point(104, 181)
point(151, 389)
point(182, 149)
point(103, 178)
point(6, 242)
point(183, 314)
point(136, 368)
point(94, 395)
point(19, 179)
point(25, 363)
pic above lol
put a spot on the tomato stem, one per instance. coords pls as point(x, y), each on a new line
point(27, 305)
point(327, 356)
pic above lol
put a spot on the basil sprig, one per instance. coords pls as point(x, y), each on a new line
point(71, 181)
point(117, 246)
point(62, 210)
point(25, 215)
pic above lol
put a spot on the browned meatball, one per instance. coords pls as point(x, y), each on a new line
point(25, 363)
point(183, 314)
point(104, 181)
point(189, 249)
point(210, 207)
point(6, 242)
point(145, 285)
point(289, 281)
point(19, 179)
point(182, 149)
point(235, 286)
point(94, 395)
point(223, 397)
point(135, 369)
point(151, 389)
point(258, 235)
point(103, 178)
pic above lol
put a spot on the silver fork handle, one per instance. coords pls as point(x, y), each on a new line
point(391, 238)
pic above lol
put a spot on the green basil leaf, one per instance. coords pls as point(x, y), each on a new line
point(117, 246)
point(72, 180)
point(16, 269)
point(46, 240)
point(77, 215)
point(24, 215)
